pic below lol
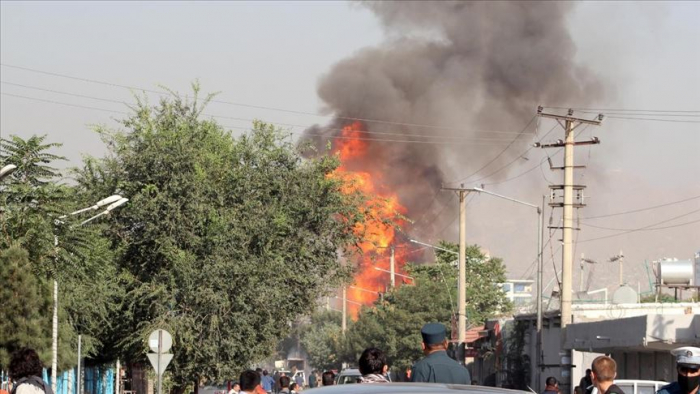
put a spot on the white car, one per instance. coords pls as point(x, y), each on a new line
point(630, 386)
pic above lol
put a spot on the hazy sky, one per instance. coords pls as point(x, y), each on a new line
point(272, 54)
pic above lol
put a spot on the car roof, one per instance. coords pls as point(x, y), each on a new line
point(410, 388)
point(638, 381)
point(350, 371)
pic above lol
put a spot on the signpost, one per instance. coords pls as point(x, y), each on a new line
point(160, 341)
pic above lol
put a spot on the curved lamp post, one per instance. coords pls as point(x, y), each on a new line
point(112, 202)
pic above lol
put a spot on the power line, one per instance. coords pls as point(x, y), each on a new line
point(62, 103)
point(625, 110)
point(501, 152)
point(278, 123)
point(130, 87)
point(649, 227)
point(655, 119)
point(642, 209)
point(292, 132)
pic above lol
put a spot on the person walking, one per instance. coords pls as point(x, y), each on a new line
point(372, 365)
point(437, 366)
point(688, 367)
point(603, 373)
point(25, 370)
point(552, 386)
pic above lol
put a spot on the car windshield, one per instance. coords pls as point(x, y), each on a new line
point(346, 379)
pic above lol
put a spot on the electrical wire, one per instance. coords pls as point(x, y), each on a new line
point(455, 138)
point(641, 209)
point(648, 228)
point(501, 152)
point(452, 143)
point(624, 110)
point(655, 119)
point(164, 93)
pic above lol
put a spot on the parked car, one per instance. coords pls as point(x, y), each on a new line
point(347, 376)
point(411, 388)
point(630, 386)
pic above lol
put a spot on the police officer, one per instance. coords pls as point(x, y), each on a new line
point(688, 364)
point(437, 366)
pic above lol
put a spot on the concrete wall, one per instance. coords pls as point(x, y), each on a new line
point(645, 365)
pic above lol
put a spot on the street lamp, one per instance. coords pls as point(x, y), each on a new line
point(540, 227)
point(114, 201)
point(7, 170)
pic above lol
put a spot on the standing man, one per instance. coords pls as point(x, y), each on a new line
point(250, 382)
point(552, 386)
point(603, 372)
point(284, 385)
point(328, 378)
point(267, 382)
point(586, 382)
point(25, 371)
point(688, 366)
point(437, 366)
point(372, 364)
point(313, 380)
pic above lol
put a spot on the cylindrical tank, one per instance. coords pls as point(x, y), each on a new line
point(676, 272)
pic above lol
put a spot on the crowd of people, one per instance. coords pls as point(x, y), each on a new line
point(436, 366)
point(603, 372)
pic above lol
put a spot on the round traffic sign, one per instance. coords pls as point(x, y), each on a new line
point(155, 339)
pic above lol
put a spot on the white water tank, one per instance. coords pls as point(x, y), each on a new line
point(624, 295)
point(676, 272)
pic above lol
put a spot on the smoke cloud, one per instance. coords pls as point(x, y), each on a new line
point(459, 80)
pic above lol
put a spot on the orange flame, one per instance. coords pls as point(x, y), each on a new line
point(378, 232)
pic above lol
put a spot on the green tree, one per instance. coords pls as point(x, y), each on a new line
point(32, 206)
point(23, 297)
point(323, 340)
point(225, 240)
point(393, 324)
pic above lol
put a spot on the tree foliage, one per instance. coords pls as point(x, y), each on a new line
point(323, 340)
point(33, 206)
point(393, 324)
point(225, 240)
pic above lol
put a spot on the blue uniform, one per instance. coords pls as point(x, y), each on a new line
point(673, 388)
point(438, 367)
point(267, 382)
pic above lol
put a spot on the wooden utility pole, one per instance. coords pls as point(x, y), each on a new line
point(462, 281)
point(569, 125)
point(344, 324)
point(392, 268)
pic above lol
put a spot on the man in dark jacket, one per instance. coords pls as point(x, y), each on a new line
point(603, 372)
point(688, 365)
point(437, 366)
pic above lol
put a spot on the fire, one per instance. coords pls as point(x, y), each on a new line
point(378, 233)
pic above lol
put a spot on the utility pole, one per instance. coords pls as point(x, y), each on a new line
point(392, 268)
point(345, 309)
point(462, 282)
point(622, 259)
point(569, 125)
point(540, 264)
